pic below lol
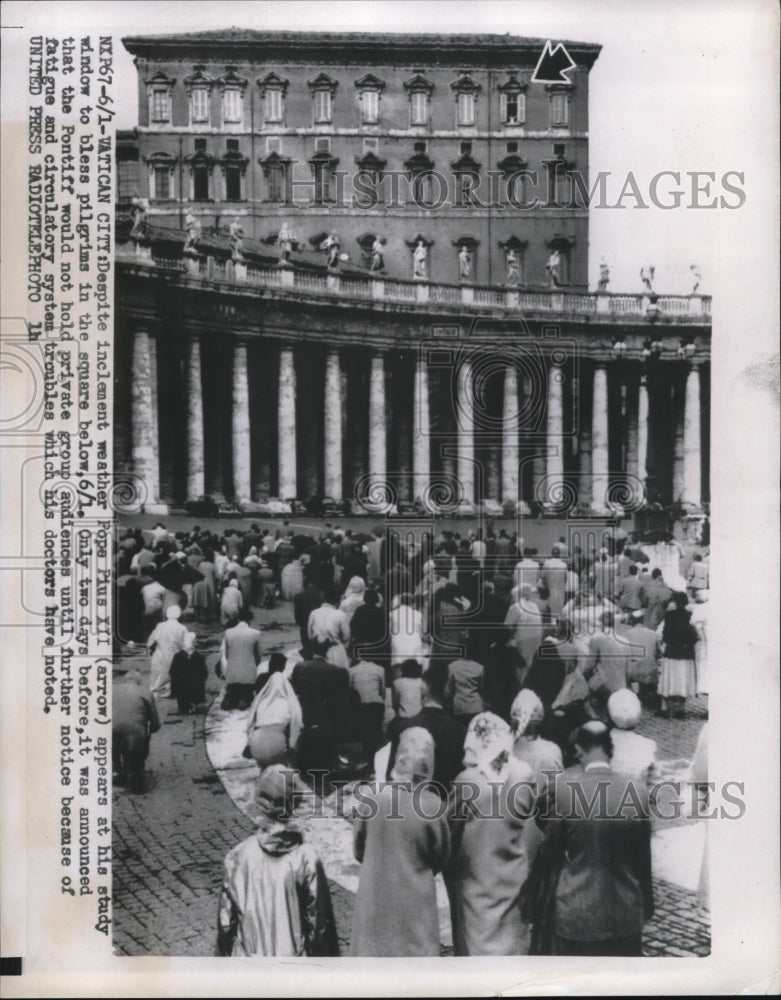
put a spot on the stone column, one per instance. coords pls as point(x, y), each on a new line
point(466, 431)
point(196, 484)
point(642, 430)
point(678, 406)
point(333, 427)
point(510, 452)
point(599, 441)
point(145, 437)
point(421, 450)
point(242, 466)
point(554, 467)
point(378, 462)
point(692, 445)
point(286, 424)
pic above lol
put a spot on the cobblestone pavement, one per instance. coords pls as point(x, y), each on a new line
point(170, 841)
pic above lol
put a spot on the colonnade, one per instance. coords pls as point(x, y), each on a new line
point(559, 450)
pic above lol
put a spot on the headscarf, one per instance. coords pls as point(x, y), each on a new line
point(275, 793)
point(414, 756)
point(353, 596)
point(487, 746)
point(233, 583)
point(624, 709)
point(173, 612)
point(276, 704)
point(526, 708)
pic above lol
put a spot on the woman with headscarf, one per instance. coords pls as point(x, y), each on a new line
point(275, 721)
point(188, 677)
point(353, 596)
point(490, 803)
point(162, 645)
point(402, 840)
point(542, 756)
point(231, 602)
point(275, 899)
point(633, 755)
point(677, 642)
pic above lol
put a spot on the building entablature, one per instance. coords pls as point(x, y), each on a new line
point(252, 300)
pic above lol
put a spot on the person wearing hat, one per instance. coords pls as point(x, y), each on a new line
point(275, 900)
point(163, 644)
point(401, 838)
point(633, 754)
point(598, 840)
point(134, 719)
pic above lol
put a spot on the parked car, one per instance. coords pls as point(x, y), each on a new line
point(297, 507)
point(278, 507)
point(331, 507)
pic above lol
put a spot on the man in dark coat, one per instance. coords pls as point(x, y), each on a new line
point(323, 689)
point(598, 832)
point(447, 733)
point(133, 720)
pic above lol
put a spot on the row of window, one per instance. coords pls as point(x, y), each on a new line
point(370, 184)
point(273, 89)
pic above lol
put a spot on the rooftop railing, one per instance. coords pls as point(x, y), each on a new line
point(466, 294)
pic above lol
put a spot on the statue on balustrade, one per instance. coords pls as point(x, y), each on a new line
point(285, 244)
point(420, 261)
point(193, 226)
point(553, 268)
point(378, 255)
point(236, 233)
point(696, 277)
point(604, 276)
point(513, 278)
point(138, 230)
point(465, 263)
point(331, 245)
point(647, 276)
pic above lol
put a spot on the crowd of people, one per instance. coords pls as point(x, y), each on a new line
point(445, 667)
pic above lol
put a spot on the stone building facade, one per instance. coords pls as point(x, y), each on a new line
point(248, 369)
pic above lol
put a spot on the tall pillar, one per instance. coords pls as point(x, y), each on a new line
point(631, 427)
point(145, 438)
point(678, 408)
point(196, 484)
point(421, 443)
point(286, 424)
point(333, 427)
point(242, 466)
point(466, 431)
point(510, 453)
point(378, 462)
point(600, 463)
point(554, 466)
point(642, 430)
point(692, 445)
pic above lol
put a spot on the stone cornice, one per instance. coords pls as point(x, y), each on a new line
point(332, 48)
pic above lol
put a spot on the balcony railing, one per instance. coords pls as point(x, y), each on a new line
point(373, 287)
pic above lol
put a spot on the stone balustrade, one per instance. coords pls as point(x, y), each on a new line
point(467, 295)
